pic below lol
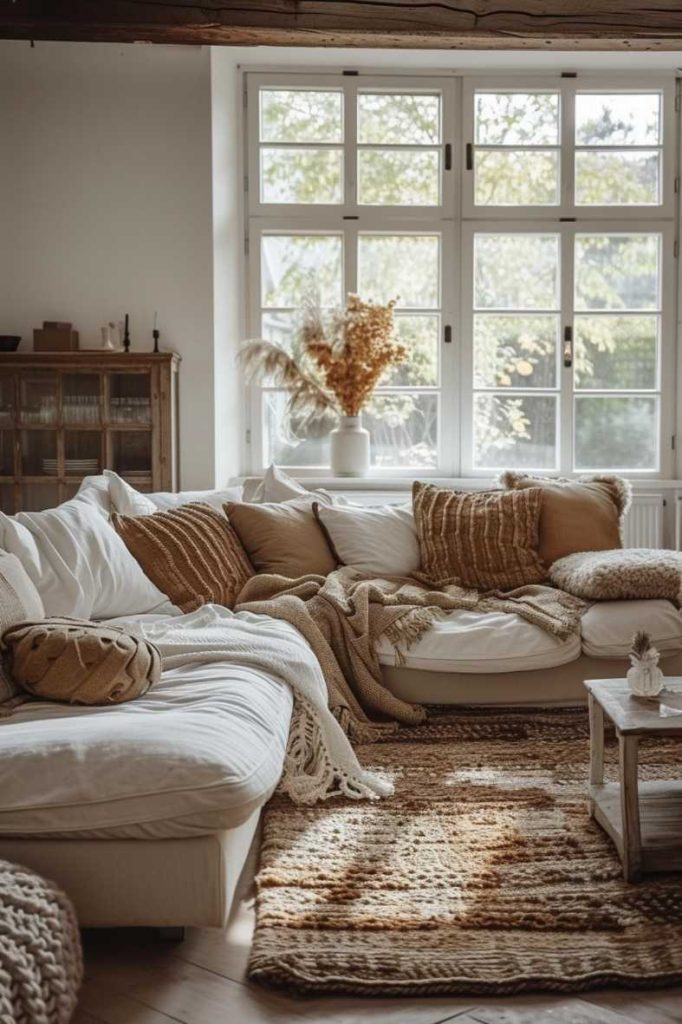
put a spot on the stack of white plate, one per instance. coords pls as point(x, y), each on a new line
point(72, 467)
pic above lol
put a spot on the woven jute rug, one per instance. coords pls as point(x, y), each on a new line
point(484, 873)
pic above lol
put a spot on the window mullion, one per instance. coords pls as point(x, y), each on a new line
point(350, 137)
point(568, 91)
point(566, 373)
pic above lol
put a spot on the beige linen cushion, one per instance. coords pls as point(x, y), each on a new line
point(624, 575)
point(80, 662)
point(19, 601)
point(191, 553)
point(486, 540)
point(577, 515)
point(282, 538)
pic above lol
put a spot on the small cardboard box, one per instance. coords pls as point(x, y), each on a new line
point(47, 339)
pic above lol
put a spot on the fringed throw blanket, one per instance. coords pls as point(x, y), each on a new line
point(343, 615)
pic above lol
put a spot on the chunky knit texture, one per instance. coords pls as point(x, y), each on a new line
point(628, 574)
point(191, 553)
point(483, 874)
point(80, 662)
point(41, 965)
point(487, 540)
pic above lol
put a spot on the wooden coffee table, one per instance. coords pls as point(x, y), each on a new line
point(644, 819)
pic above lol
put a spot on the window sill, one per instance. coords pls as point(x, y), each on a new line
point(403, 485)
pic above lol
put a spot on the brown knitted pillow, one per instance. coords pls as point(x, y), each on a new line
point(486, 540)
point(80, 662)
point(191, 553)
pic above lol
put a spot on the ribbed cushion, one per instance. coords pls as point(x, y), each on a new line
point(486, 540)
point(81, 662)
point(191, 553)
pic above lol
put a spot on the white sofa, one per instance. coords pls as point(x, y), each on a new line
point(144, 812)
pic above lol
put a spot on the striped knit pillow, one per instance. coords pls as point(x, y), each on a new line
point(191, 553)
point(486, 540)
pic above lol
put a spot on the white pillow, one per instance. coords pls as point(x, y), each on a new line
point(78, 563)
point(129, 502)
point(277, 486)
point(20, 601)
point(380, 540)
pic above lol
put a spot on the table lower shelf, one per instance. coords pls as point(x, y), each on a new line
point(660, 815)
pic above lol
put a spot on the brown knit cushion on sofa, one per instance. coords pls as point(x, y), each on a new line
point(486, 540)
point(577, 515)
point(80, 662)
point(191, 553)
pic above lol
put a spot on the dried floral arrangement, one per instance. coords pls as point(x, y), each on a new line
point(642, 649)
point(341, 357)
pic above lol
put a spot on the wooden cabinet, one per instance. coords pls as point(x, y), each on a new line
point(67, 415)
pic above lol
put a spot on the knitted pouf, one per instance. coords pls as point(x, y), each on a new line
point(41, 963)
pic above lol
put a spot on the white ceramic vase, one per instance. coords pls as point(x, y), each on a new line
point(645, 678)
point(350, 448)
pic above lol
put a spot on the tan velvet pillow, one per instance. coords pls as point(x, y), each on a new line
point(577, 515)
point(191, 553)
point(80, 662)
point(283, 538)
point(486, 540)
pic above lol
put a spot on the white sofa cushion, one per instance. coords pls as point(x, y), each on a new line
point(465, 641)
point(78, 563)
point(380, 540)
point(199, 752)
point(130, 502)
point(608, 627)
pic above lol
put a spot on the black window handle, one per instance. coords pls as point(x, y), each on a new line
point(568, 347)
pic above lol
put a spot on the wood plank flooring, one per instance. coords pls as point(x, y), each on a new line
point(133, 977)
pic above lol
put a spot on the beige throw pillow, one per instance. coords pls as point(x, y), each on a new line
point(577, 515)
point(80, 662)
point(486, 540)
point(282, 538)
point(19, 601)
point(191, 553)
point(623, 575)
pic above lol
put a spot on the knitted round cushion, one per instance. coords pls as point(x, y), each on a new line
point(41, 964)
point(80, 662)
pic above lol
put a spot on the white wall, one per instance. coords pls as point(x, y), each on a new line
point(105, 206)
point(121, 190)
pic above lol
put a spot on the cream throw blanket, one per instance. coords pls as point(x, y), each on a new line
point(343, 615)
point(320, 761)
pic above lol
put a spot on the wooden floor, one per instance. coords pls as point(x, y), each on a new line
point(133, 977)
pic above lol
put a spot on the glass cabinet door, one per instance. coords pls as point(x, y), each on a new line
point(130, 402)
point(38, 398)
point(82, 399)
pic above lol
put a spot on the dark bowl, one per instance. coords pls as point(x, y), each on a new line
point(9, 342)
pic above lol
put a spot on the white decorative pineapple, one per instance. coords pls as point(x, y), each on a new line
point(645, 678)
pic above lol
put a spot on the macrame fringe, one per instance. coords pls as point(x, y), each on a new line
point(309, 774)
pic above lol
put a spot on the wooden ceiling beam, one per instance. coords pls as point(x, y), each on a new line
point(441, 24)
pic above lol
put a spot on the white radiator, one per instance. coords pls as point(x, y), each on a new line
point(644, 522)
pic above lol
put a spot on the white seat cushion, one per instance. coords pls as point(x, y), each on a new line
point(199, 752)
point(465, 641)
point(608, 626)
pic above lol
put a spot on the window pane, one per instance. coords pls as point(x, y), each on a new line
point(617, 271)
point(616, 352)
point(516, 271)
point(399, 177)
point(616, 433)
point(301, 175)
point(406, 267)
point(517, 177)
point(617, 119)
point(293, 266)
point(515, 432)
point(281, 446)
point(420, 334)
point(301, 115)
point(516, 118)
point(398, 119)
point(516, 351)
point(620, 178)
point(403, 430)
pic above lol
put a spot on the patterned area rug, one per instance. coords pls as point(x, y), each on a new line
point(484, 873)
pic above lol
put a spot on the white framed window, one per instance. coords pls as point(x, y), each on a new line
point(526, 225)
